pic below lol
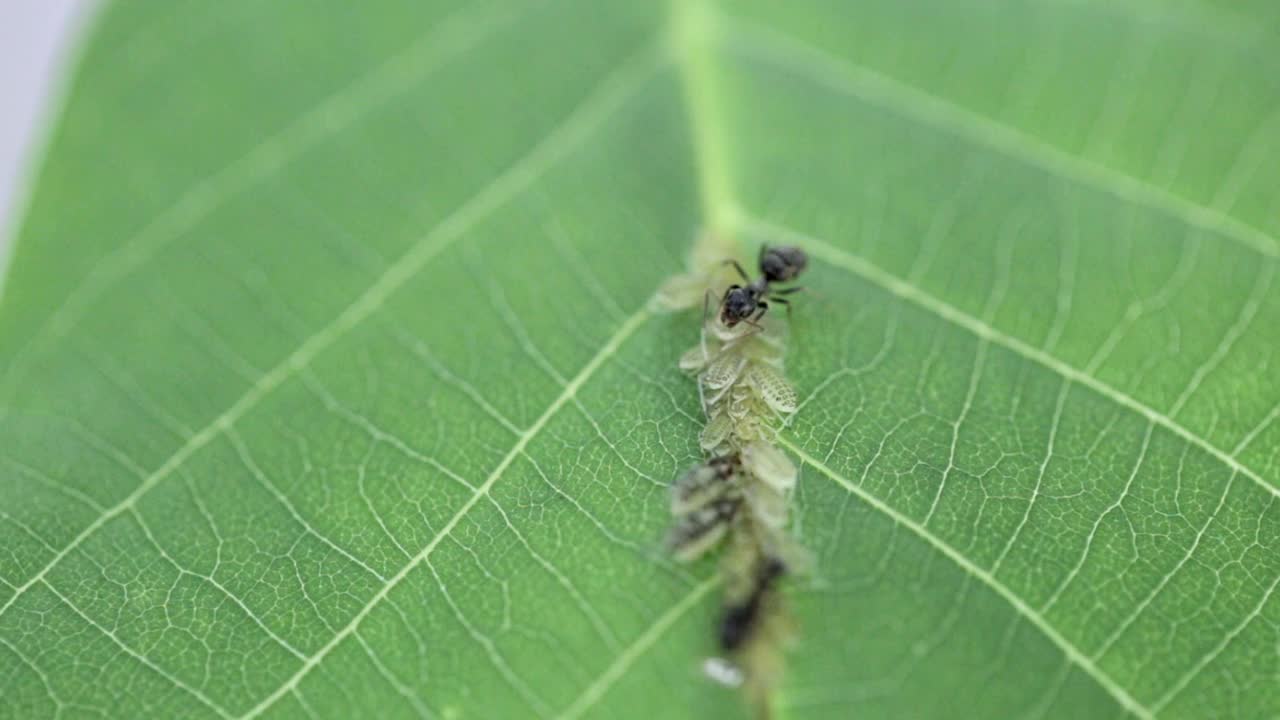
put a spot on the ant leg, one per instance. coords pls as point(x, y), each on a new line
point(753, 321)
point(786, 291)
point(784, 302)
point(737, 266)
point(764, 307)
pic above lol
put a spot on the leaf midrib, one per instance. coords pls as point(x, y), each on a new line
point(923, 107)
point(722, 210)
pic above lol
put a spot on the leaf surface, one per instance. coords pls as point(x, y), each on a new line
point(329, 383)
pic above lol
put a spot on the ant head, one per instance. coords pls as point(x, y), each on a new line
point(780, 264)
point(738, 304)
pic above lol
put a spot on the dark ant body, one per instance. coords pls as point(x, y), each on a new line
point(749, 302)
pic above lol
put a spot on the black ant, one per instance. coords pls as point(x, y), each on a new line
point(748, 302)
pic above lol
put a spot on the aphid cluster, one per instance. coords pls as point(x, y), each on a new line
point(740, 495)
point(747, 487)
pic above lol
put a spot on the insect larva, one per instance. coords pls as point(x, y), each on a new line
point(703, 483)
point(740, 620)
point(700, 530)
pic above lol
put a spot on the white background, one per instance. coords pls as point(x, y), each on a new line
point(37, 41)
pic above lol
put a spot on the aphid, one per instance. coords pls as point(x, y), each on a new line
point(715, 432)
point(722, 371)
point(694, 359)
point(700, 530)
point(770, 465)
point(768, 506)
point(773, 389)
point(704, 483)
point(741, 620)
point(748, 303)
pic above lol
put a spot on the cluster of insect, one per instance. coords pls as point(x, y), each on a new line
point(739, 496)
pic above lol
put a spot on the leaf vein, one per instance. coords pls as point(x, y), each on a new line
point(177, 682)
point(612, 92)
point(781, 50)
point(642, 643)
point(457, 33)
point(570, 391)
point(900, 288)
point(1034, 617)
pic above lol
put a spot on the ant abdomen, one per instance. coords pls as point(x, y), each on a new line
point(782, 264)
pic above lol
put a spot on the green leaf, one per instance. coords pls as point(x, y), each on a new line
point(329, 385)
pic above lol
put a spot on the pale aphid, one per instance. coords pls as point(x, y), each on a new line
point(706, 269)
point(773, 388)
point(681, 292)
point(770, 465)
point(768, 347)
point(756, 431)
point(743, 404)
point(697, 358)
point(715, 400)
point(723, 371)
point(771, 358)
point(704, 483)
point(694, 359)
point(716, 431)
point(768, 506)
point(726, 334)
point(699, 531)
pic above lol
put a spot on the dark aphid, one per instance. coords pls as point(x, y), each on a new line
point(700, 530)
point(704, 483)
point(741, 620)
point(749, 302)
